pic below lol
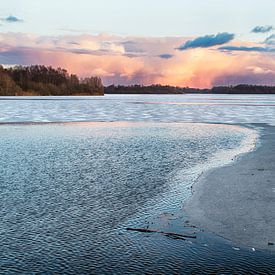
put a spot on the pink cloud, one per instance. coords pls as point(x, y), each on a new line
point(136, 60)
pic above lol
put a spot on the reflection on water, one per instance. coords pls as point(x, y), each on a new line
point(68, 191)
point(195, 108)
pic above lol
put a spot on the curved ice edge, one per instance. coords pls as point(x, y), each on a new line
point(229, 156)
point(221, 158)
point(218, 160)
point(251, 144)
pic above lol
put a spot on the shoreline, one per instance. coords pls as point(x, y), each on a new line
point(237, 201)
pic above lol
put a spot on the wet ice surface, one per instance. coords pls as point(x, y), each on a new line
point(198, 108)
point(68, 191)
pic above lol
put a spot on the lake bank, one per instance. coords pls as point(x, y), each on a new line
point(237, 201)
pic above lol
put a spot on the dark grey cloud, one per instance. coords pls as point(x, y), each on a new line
point(132, 47)
point(85, 51)
point(270, 40)
point(247, 49)
point(17, 56)
point(73, 43)
point(207, 41)
point(262, 29)
point(11, 19)
point(165, 56)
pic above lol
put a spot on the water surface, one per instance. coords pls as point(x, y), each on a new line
point(69, 190)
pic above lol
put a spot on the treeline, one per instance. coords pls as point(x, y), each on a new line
point(140, 89)
point(46, 81)
point(159, 89)
point(238, 89)
point(243, 89)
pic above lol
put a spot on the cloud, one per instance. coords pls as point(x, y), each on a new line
point(108, 56)
point(111, 58)
point(207, 41)
point(14, 56)
point(132, 47)
point(262, 29)
point(247, 49)
point(270, 40)
point(267, 46)
point(165, 56)
point(11, 19)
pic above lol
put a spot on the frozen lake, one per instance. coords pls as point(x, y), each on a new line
point(69, 190)
point(194, 108)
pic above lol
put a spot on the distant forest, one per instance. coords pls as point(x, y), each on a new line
point(243, 89)
point(158, 89)
point(139, 89)
point(46, 81)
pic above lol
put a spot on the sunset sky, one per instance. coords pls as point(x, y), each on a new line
point(198, 43)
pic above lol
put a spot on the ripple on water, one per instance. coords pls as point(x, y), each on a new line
point(69, 190)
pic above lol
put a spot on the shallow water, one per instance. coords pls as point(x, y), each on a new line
point(68, 191)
